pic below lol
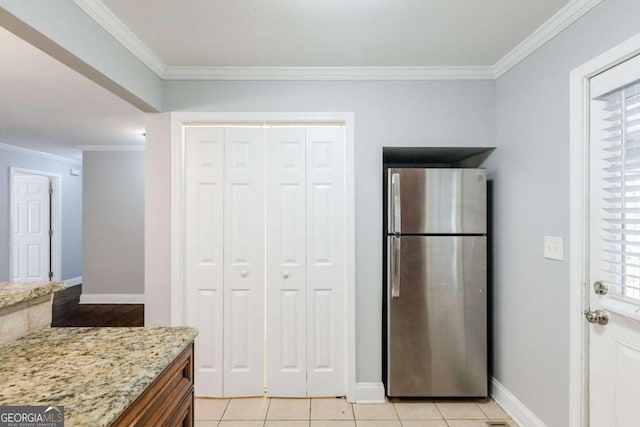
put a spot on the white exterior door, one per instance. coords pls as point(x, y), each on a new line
point(286, 263)
point(326, 232)
point(30, 229)
point(614, 338)
point(244, 266)
point(204, 185)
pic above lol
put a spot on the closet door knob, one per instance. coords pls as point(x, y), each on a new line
point(285, 274)
point(244, 273)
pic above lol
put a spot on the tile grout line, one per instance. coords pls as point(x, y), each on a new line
point(482, 412)
point(353, 413)
point(264, 423)
point(396, 411)
point(485, 413)
point(440, 412)
point(446, 421)
point(224, 412)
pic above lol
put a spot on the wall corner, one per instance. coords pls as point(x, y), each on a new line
point(157, 276)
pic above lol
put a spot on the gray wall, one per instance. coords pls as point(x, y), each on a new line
point(113, 222)
point(157, 199)
point(71, 209)
point(428, 113)
point(530, 170)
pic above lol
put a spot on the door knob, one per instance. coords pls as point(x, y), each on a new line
point(598, 316)
point(600, 288)
point(285, 274)
point(244, 273)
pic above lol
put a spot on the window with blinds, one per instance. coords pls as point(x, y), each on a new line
point(620, 151)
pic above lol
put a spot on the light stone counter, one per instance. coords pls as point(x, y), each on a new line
point(96, 373)
point(12, 293)
point(25, 307)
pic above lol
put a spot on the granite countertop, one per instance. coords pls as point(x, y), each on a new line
point(96, 373)
point(12, 293)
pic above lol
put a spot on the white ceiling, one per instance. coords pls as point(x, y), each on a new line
point(332, 32)
point(49, 107)
point(46, 106)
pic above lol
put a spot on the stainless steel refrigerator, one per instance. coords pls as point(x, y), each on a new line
point(436, 298)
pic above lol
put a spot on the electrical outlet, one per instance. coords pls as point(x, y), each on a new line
point(554, 248)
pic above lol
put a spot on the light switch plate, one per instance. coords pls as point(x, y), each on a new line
point(554, 247)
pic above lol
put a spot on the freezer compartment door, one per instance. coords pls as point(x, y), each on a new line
point(437, 316)
point(437, 201)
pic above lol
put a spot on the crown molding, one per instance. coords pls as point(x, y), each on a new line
point(554, 25)
point(42, 154)
point(138, 147)
point(329, 73)
point(100, 13)
point(97, 10)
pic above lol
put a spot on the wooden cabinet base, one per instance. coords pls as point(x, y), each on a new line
point(168, 401)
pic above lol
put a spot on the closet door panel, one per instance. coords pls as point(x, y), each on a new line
point(286, 261)
point(326, 232)
point(204, 182)
point(244, 279)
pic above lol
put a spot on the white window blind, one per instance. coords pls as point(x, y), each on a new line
point(619, 148)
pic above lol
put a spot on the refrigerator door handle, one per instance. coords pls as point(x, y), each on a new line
point(395, 267)
point(395, 204)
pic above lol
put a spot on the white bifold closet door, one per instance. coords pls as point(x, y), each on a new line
point(265, 227)
point(305, 262)
point(286, 263)
point(244, 275)
point(326, 232)
point(203, 262)
point(224, 258)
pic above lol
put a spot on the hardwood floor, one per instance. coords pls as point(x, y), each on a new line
point(67, 311)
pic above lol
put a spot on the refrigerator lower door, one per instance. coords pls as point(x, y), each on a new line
point(437, 317)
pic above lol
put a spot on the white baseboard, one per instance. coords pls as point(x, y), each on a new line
point(515, 408)
point(112, 299)
point(370, 393)
point(74, 281)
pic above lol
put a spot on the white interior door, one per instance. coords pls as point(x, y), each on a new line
point(614, 338)
point(326, 232)
point(30, 228)
point(286, 263)
point(204, 192)
point(244, 274)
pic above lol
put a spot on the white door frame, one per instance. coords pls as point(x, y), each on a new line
point(56, 218)
point(181, 119)
point(579, 227)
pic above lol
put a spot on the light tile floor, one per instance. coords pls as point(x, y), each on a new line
point(332, 412)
